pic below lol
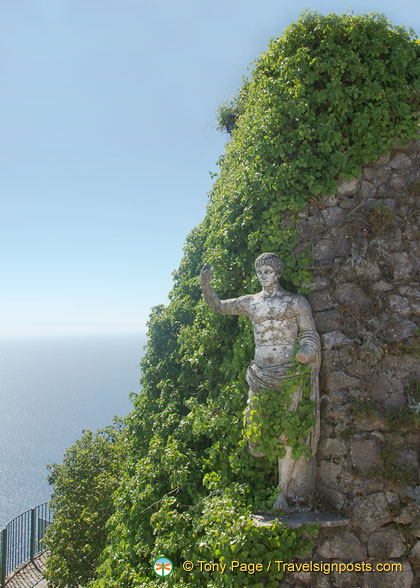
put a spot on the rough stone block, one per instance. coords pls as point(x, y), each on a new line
point(404, 330)
point(347, 203)
point(394, 579)
point(368, 174)
point(416, 532)
point(369, 270)
point(382, 286)
point(382, 161)
point(403, 268)
point(322, 250)
point(327, 321)
point(407, 457)
point(321, 581)
point(371, 512)
point(348, 188)
point(409, 291)
point(386, 543)
point(333, 216)
point(414, 555)
point(330, 200)
point(371, 202)
point(334, 339)
point(382, 191)
point(371, 423)
point(400, 161)
point(335, 412)
point(415, 308)
point(368, 189)
point(340, 381)
point(401, 365)
point(388, 390)
point(328, 474)
point(347, 579)
point(392, 498)
point(397, 184)
point(404, 517)
point(411, 231)
point(318, 283)
point(414, 250)
point(332, 498)
point(392, 240)
point(413, 441)
point(367, 486)
point(321, 300)
point(365, 454)
point(389, 203)
point(352, 294)
point(399, 305)
point(335, 246)
point(382, 176)
point(345, 546)
point(332, 448)
point(301, 578)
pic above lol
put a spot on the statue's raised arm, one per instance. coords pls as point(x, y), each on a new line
point(231, 306)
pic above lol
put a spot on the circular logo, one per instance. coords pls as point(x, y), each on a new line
point(163, 566)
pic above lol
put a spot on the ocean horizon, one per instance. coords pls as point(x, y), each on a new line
point(51, 390)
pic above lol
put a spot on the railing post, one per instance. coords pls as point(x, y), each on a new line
point(32, 539)
point(3, 557)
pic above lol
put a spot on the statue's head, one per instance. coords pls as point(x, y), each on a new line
point(269, 268)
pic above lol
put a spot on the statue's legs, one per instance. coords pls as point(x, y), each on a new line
point(252, 447)
point(296, 477)
point(287, 466)
point(296, 481)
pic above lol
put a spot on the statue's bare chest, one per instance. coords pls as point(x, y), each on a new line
point(275, 308)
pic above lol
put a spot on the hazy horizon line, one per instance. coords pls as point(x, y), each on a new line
point(73, 334)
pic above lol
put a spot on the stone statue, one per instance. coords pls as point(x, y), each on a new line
point(278, 319)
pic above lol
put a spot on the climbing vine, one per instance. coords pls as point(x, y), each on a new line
point(271, 422)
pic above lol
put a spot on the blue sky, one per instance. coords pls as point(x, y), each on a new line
point(107, 136)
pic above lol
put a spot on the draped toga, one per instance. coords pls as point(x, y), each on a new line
point(273, 377)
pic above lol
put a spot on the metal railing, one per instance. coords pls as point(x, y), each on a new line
point(21, 539)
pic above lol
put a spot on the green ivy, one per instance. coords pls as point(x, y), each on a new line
point(82, 503)
point(333, 93)
point(270, 418)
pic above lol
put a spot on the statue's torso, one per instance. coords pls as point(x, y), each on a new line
point(274, 321)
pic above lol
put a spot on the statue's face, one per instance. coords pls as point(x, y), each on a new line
point(267, 275)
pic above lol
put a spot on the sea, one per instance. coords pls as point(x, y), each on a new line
point(51, 389)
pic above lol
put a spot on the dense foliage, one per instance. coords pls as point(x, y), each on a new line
point(82, 503)
point(331, 94)
point(269, 422)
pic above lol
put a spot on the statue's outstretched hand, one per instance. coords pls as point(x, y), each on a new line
point(305, 354)
point(206, 274)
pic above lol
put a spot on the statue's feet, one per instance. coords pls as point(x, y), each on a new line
point(291, 506)
point(281, 502)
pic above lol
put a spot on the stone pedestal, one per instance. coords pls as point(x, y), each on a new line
point(298, 519)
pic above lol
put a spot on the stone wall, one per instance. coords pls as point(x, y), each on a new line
point(365, 296)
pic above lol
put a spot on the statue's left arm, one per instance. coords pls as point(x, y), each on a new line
point(310, 354)
point(310, 344)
